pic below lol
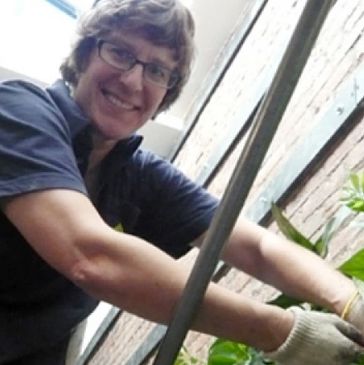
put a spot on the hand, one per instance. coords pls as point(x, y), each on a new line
point(356, 315)
point(319, 339)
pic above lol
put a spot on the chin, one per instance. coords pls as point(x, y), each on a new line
point(115, 131)
point(115, 136)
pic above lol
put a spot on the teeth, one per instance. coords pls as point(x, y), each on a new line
point(114, 100)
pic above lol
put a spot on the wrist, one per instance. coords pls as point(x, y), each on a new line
point(300, 333)
point(350, 304)
point(344, 296)
point(281, 327)
point(353, 311)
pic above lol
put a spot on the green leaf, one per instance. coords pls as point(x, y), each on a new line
point(284, 301)
point(353, 192)
point(223, 352)
point(360, 361)
point(354, 267)
point(336, 222)
point(289, 230)
point(354, 178)
point(185, 358)
point(360, 286)
point(257, 358)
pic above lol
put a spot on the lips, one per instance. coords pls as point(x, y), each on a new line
point(116, 101)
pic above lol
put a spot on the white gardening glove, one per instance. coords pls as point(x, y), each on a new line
point(354, 310)
point(318, 339)
point(356, 315)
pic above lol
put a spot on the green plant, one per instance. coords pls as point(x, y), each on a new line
point(185, 358)
point(353, 190)
point(224, 352)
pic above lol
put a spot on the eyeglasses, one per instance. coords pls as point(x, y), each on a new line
point(123, 60)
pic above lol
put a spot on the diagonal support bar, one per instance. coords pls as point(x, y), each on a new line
point(264, 127)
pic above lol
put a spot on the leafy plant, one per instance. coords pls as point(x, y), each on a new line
point(224, 352)
point(354, 267)
point(185, 358)
point(353, 190)
point(228, 353)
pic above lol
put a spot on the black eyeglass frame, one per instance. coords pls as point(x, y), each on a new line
point(174, 77)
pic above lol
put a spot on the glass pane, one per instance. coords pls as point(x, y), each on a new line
point(34, 37)
point(82, 4)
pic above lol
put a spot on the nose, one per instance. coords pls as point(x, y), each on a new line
point(133, 78)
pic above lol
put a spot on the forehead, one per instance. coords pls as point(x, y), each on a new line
point(143, 48)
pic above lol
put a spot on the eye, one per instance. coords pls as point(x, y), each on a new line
point(121, 55)
point(158, 72)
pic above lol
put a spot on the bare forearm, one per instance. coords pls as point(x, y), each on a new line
point(290, 268)
point(150, 284)
point(310, 278)
point(130, 273)
point(244, 320)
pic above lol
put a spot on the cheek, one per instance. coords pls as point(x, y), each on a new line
point(156, 100)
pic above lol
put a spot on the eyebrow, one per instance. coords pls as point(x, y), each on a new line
point(121, 44)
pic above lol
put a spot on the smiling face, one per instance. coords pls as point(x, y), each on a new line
point(120, 102)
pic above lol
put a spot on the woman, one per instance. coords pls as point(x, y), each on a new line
point(88, 216)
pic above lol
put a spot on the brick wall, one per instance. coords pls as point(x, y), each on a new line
point(337, 55)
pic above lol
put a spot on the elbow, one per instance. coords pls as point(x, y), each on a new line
point(85, 274)
point(82, 272)
point(92, 277)
point(106, 267)
point(97, 274)
point(88, 268)
point(85, 259)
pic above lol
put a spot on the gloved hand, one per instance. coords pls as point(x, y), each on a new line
point(318, 339)
point(354, 311)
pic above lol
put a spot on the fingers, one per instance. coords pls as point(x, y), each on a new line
point(351, 332)
point(351, 352)
point(319, 339)
point(355, 341)
point(356, 314)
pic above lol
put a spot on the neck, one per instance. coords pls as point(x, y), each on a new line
point(100, 148)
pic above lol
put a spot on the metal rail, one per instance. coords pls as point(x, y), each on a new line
point(265, 125)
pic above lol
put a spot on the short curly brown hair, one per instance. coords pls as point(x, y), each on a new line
point(163, 22)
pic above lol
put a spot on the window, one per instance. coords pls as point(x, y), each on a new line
point(35, 36)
